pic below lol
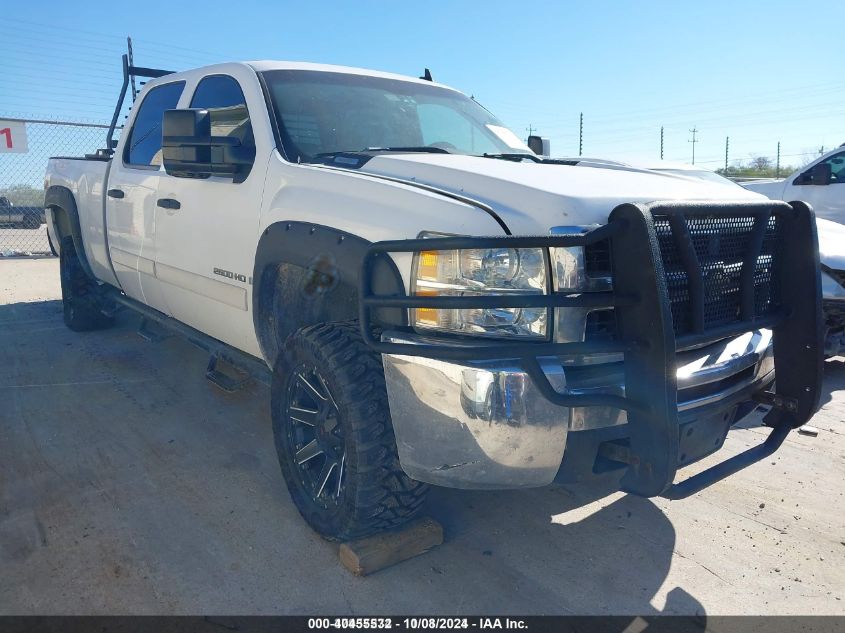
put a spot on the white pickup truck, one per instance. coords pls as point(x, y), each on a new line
point(431, 302)
point(821, 184)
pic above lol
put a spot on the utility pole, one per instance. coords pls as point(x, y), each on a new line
point(821, 150)
point(530, 130)
point(581, 136)
point(661, 142)
point(693, 141)
point(727, 147)
point(777, 167)
point(131, 63)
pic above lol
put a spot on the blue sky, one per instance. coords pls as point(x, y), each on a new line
point(759, 72)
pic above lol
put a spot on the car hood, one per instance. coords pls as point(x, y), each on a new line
point(831, 243)
point(533, 197)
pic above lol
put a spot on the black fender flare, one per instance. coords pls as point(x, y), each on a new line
point(309, 273)
point(61, 198)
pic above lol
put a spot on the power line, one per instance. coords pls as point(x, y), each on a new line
point(695, 107)
point(769, 115)
point(82, 53)
point(100, 36)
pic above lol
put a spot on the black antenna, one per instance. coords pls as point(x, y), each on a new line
point(131, 63)
point(427, 75)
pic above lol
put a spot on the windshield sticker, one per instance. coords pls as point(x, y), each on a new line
point(507, 137)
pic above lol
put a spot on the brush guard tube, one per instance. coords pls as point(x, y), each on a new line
point(645, 331)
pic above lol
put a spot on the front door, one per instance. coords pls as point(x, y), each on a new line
point(827, 198)
point(206, 234)
point(131, 198)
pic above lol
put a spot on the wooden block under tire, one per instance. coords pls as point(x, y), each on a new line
point(368, 555)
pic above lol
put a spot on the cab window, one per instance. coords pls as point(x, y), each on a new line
point(837, 168)
point(143, 145)
point(223, 98)
point(830, 171)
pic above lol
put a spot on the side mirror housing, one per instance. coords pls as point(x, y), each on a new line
point(539, 145)
point(190, 151)
point(181, 155)
point(822, 174)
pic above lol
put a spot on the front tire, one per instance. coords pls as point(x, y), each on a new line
point(80, 300)
point(334, 437)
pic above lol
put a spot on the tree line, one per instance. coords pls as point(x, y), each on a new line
point(22, 195)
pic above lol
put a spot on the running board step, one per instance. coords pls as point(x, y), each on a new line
point(151, 331)
point(224, 381)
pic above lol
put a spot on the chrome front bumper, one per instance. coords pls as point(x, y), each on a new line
point(485, 425)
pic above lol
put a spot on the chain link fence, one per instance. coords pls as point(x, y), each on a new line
point(22, 219)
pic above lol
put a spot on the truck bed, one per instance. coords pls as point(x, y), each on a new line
point(85, 178)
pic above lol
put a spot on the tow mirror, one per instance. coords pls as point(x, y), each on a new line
point(822, 174)
point(539, 145)
point(190, 151)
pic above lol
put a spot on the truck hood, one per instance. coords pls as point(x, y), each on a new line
point(533, 197)
point(831, 243)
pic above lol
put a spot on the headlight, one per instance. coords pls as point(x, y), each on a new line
point(580, 268)
point(492, 271)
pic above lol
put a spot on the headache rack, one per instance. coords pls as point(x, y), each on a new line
point(684, 274)
point(129, 73)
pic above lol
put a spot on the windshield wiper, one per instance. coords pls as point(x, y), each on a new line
point(424, 149)
point(368, 152)
point(514, 156)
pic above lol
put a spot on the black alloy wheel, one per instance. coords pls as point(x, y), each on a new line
point(315, 439)
point(334, 435)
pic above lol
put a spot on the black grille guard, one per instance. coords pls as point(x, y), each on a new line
point(645, 333)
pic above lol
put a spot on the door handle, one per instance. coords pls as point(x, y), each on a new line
point(115, 193)
point(168, 203)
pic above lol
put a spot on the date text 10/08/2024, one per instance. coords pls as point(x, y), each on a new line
point(419, 623)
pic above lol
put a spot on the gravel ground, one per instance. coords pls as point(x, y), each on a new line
point(128, 483)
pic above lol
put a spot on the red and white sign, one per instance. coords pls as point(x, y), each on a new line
point(12, 137)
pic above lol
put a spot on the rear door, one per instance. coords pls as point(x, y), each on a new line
point(131, 197)
point(206, 235)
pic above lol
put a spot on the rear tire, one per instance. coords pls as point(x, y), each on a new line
point(334, 437)
point(80, 298)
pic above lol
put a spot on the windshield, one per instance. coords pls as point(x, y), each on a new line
point(324, 112)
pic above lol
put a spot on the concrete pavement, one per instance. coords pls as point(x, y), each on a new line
point(129, 484)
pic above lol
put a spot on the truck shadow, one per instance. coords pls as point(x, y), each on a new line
point(580, 550)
